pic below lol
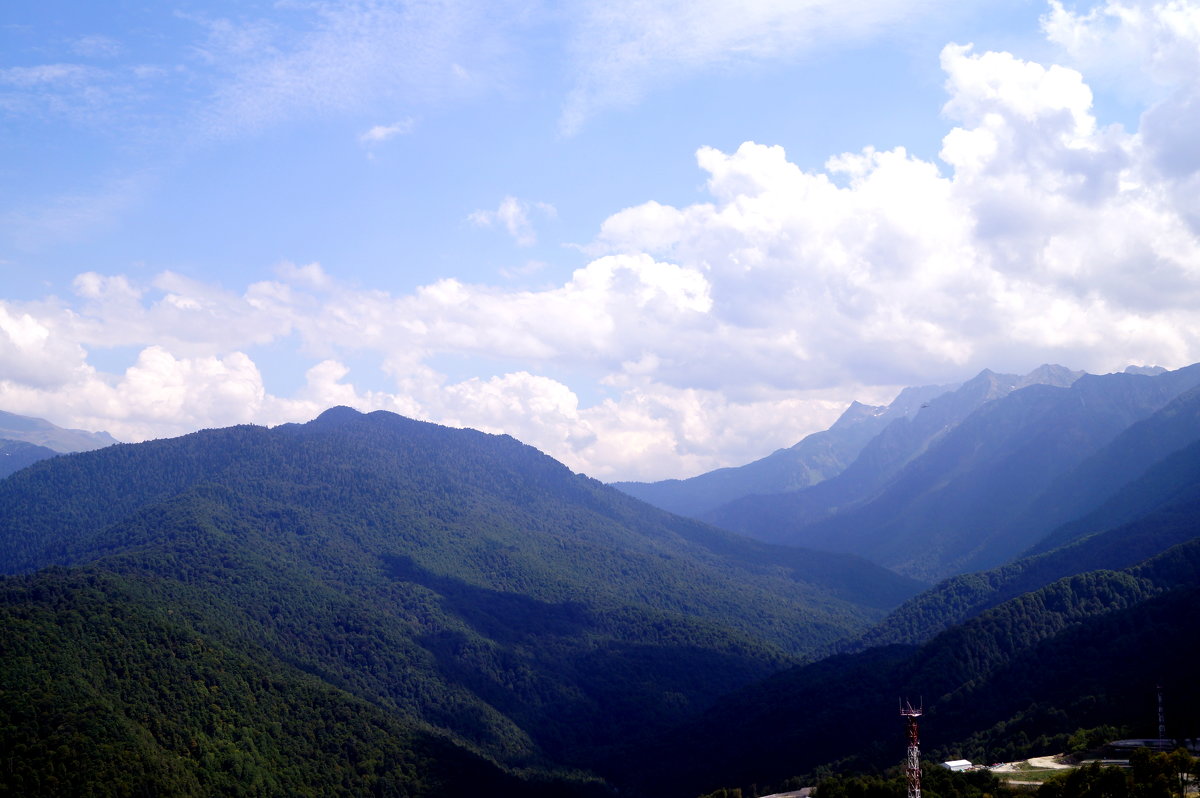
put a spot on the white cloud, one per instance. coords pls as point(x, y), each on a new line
point(72, 216)
point(49, 75)
point(1137, 44)
point(31, 351)
point(1150, 50)
point(715, 331)
point(514, 216)
point(79, 93)
point(381, 133)
point(625, 48)
point(345, 55)
point(96, 46)
point(158, 395)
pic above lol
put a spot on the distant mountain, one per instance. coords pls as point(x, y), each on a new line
point(43, 433)
point(15, 455)
point(816, 458)
point(1121, 545)
point(1172, 480)
point(959, 507)
point(961, 503)
point(1081, 652)
point(457, 581)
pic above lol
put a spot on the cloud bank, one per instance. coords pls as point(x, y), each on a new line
point(714, 331)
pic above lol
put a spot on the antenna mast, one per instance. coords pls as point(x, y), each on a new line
point(912, 766)
point(1162, 718)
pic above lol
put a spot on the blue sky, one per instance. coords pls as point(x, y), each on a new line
point(649, 238)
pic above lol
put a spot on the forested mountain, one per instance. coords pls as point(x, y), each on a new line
point(961, 503)
point(962, 597)
point(1142, 445)
point(458, 582)
point(367, 604)
point(107, 689)
point(41, 432)
point(15, 455)
point(24, 441)
point(1081, 652)
point(814, 459)
point(1171, 481)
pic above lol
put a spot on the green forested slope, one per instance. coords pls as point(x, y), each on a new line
point(1170, 483)
point(1131, 457)
point(962, 597)
point(105, 690)
point(1017, 680)
point(454, 580)
point(15, 455)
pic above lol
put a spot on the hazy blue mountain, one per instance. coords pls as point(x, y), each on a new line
point(814, 459)
point(780, 518)
point(41, 432)
point(15, 455)
point(1171, 480)
point(959, 507)
point(960, 598)
point(1144, 443)
point(459, 581)
point(1081, 652)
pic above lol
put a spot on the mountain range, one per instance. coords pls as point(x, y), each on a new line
point(463, 584)
point(25, 440)
point(977, 474)
point(367, 604)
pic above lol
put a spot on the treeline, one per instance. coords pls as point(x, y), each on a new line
point(103, 693)
point(456, 584)
point(1013, 683)
point(1151, 774)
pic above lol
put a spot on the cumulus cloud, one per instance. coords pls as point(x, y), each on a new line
point(32, 352)
point(1139, 43)
point(715, 331)
point(1152, 51)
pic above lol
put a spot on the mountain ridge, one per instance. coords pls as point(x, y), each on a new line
point(463, 581)
point(41, 432)
point(950, 502)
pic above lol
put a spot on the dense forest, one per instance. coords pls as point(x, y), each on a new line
point(1015, 681)
point(460, 583)
point(366, 604)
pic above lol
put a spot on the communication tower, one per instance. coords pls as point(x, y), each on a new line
point(912, 766)
point(1162, 718)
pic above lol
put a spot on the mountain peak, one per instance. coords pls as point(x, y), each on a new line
point(1051, 374)
point(1149, 371)
point(338, 415)
point(857, 411)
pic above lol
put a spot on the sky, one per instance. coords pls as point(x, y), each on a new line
point(649, 237)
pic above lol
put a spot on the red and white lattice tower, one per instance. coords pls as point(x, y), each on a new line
point(912, 766)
